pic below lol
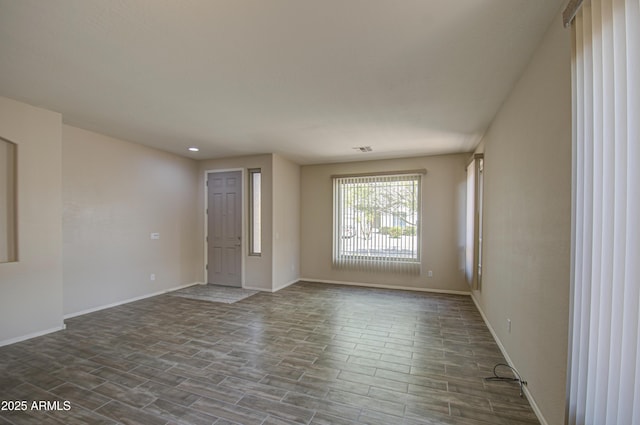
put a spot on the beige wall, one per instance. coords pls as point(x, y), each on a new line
point(258, 269)
point(286, 222)
point(31, 289)
point(527, 223)
point(115, 194)
point(443, 195)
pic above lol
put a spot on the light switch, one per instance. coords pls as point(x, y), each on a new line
point(155, 236)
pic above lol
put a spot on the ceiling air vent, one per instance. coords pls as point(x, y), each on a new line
point(363, 148)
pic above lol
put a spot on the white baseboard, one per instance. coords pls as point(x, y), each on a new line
point(527, 393)
point(255, 288)
point(129, 300)
point(285, 285)
point(379, 286)
point(32, 335)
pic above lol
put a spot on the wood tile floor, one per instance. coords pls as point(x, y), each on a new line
point(308, 354)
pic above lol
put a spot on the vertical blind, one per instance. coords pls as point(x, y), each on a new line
point(376, 223)
point(8, 240)
point(473, 240)
point(604, 358)
point(470, 248)
point(255, 211)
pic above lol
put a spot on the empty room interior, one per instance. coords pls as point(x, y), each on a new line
point(330, 212)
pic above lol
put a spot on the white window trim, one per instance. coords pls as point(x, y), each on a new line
point(372, 263)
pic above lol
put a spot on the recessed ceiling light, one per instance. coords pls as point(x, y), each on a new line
point(194, 149)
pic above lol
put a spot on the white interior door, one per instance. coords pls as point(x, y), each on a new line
point(224, 226)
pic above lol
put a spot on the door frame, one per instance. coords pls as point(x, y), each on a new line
point(243, 229)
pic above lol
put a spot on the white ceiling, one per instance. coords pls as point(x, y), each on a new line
point(306, 79)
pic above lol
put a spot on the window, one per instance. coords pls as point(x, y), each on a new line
point(8, 242)
point(473, 258)
point(255, 201)
point(376, 224)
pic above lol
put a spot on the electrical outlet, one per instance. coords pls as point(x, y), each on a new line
point(155, 235)
point(430, 273)
point(509, 325)
point(152, 276)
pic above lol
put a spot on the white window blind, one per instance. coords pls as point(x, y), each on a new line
point(604, 352)
point(255, 211)
point(473, 248)
point(376, 224)
point(8, 231)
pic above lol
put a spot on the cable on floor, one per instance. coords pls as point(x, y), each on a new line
point(517, 379)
